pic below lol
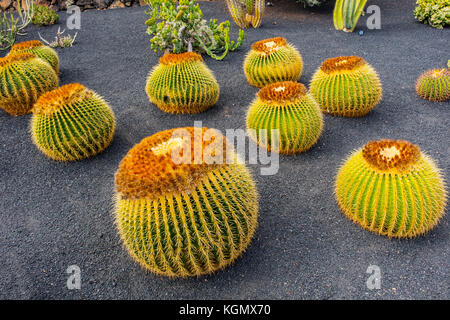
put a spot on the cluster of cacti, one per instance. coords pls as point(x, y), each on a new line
point(346, 86)
point(246, 13)
point(346, 14)
point(72, 123)
point(182, 83)
point(40, 50)
point(272, 60)
point(23, 78)
point(436, 13)
point(183, 219)
point(44, 15)
point(290, 109)
point(434, 85)
point(391, 188)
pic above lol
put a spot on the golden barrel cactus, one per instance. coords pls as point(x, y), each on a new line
point(272, 60)
point(391, 188)
point(346, 86)
point(178, 213)
point(434, 85)
point(37, 48)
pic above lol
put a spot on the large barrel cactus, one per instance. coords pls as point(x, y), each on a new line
point(434, 85)
point(179, 216)
point(72, 123)
point(182, 83)
point(391, 188)
point(40, 50)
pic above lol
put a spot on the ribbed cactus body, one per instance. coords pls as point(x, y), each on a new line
point(37, 48)
point(391, 188)
point(272, 60)
point(72, 123)
point(289, 108)
point(183, 219)
point(246, 13)
point(182, 83)
point(23, 78)
point(434, 85)
point(346, 86)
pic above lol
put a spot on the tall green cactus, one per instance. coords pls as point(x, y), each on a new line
point(246, 13)
point(346, 14)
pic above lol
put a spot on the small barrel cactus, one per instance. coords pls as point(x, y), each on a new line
point(180, 217)
point(182, 83)
point(272, 60)
point(391, 188)
point(434, 85)
point(288, 107)
point(72, 123)
point(23, 78)
point(40, 50)
point(346, 86)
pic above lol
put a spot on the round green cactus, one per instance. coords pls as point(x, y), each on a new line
point(272, 60)
point(40, 50)
point(346, 86)
point(23, 78)
point(289, 108)
point(182, 83)
point(434, 85)
point(72, 123)
point(391, 188)
point(178, 217)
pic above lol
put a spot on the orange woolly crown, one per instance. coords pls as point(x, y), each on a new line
point(282, 91)
point(269, 46)
point(26, 45)
point(436, 73)
point(170, 161)
point(54, 100)
point(175, 58)
point(19, 57)
point(391, 154)
point(342, 63)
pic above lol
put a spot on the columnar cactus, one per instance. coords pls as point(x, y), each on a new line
point(391, 188)
point(72, 123)
point(182, 83)
point(346, 14)
point(289, 108)
point(40, 50)
point(434, 85)
point(246, 13)
point(23, 78)
point(272, 60)
point(180, 217)
point(346, 86)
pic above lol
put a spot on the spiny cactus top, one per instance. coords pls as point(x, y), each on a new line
point(23, 78)
point(40, 50)
point(72, 123)
point(434, 85)
point(179, 216)
point(391, 188)
point(272, 60)
point(346, 86)
point(289, 108)
point(182, 83)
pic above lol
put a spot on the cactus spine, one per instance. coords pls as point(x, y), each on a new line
point(346, 86)
point(23, 78)
point(72, 123)
point(40, 50)
point(246, 13)
point(346, 14)
point(182, 83)
point(391, 188)
point(272, 60)
point(289, 108)
point(184, 218)
point(434, 85)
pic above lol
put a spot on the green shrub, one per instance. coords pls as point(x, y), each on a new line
point(436, 13)
point(312, 3)
point(44, 16)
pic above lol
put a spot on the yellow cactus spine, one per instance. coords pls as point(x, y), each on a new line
point(23, 78)
point(391, 188)
point(184, 218)
point(182, 83)
point(272, 60)
point(72, 123)
point(346, 86)
point(434, 85)
point(289, 108)
point(246, 13)
point(37, 48)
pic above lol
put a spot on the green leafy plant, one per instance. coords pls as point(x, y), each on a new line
point(10, 26)
point(60, 40)
point(436, 13)
point(44, 16)
point(246, 13)
point(181, 28)
point(346, 14)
